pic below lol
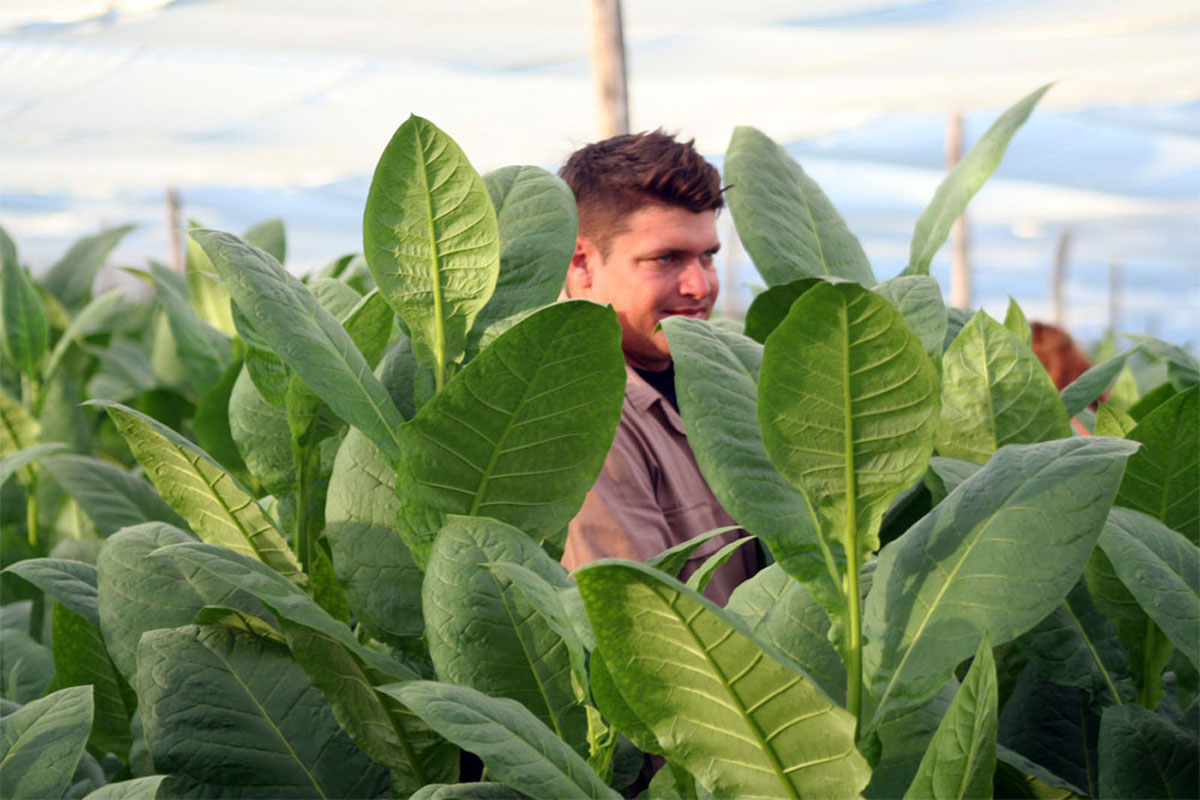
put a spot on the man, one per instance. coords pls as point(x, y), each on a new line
point(647, 239)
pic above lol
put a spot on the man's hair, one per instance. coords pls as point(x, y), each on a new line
point(613, 178)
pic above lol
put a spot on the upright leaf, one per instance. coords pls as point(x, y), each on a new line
point(70, 278)
point(995, 392)
point(1163, 478)
point(431, 240)
point(743, 721)
point(789, 227)
point(521, 433)
point(918, 298)
point(269, 235)
point(1015, 321)
point(203, 350)
point(217, 507)
point(1161, 569)
point(961, 758)
point(847, 403)
point(957, 188)
point(41, 744)
point(716, 379)
point(995, 557)
point(1144, 754)
point(515, 746)
point(226, 711)
point(305, 336)
point(537, 221)
point(89, 320)
point(25, 333)
point(483, 632)
point(260, 432)
point(210, 300)
point(114, 498)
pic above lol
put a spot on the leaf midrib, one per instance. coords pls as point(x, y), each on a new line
point(439, 324)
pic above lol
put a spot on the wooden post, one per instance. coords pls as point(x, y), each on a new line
point(1114, 296)
point(960, 268)
point(1058, 278)
point(608, 67)
point(174, 246)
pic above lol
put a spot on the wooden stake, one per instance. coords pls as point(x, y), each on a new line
point(1058, 279)
point(175, 248)
point(1114, 296)
point(960, 268)
point(608, 67)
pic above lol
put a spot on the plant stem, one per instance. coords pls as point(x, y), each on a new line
point(1143, 698)
point(303, 534)
point(853, 638)
point(31, 511)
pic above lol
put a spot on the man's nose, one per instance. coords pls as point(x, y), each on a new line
point(697, 280)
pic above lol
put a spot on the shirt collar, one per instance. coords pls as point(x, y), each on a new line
point(642, 396)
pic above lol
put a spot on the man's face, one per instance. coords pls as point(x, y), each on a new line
point(661, 265)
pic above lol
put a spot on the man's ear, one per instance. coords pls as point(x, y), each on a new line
point(580, 270)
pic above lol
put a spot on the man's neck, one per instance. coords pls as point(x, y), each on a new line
point(663, 381)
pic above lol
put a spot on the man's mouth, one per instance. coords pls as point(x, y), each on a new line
point(695, 313)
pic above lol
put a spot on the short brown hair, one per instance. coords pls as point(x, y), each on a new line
point(613, 178)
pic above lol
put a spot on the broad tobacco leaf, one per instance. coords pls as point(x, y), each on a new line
point(918, 298)
point(1144, 754)
point(431, 239)
point(41, 744)
point(848, 403)
point(789, 227)
point(521, 433)
point(737, 716)
point(995, 392)
point(1163, 478)
point(24, 333)
point(993, 558)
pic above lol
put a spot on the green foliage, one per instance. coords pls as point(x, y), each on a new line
point(41, 744)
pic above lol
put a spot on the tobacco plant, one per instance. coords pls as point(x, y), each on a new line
point(312, 549)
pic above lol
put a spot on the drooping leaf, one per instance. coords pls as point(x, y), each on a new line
point(1087, 388)
point(788, 226)
point(848, 403)
point(515, 746)
point(675, 558)
point(305, 336)
point(1163, 477)
point(918, 298)
point(1161, 569)
point(431, 239)
point(781, 612)
point(733, 714)
point(140, 590)
point(114, 498)
point(216, 506)
point(225, 711)
point(771, 305)
point(71, 583)
point(716, 379)
point(1077, 646)
point(19, 459)
point(269, 235)
point(24, 333)
point(1015, 321)
point(382, 582)
point(995, 557)
point(70, 279)
point(483, 632)
point(961, 757)
point(1144, 754)
point(957, 188)
point(203, 350)
point(699, 579)
point(1183, 368)
point(42, 743)
point(535, 211)
point(521, 433)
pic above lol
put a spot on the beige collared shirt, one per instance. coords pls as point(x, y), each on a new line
point(650, 496)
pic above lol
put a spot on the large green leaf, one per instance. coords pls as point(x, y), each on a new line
point(1161, 569)
point(1077, 646)
point(957, 188)
point(431, 239)
point(71, 583)
point(521, 433)
point(961, 757)
point(716, 379)
point(382, 582)
point(305, 336)
point(786, 223)
point(1163, 477)
point(216, 506)
point(995, 392)
point(1144, 754)
point(918, 298)
point(24, 333)
point(536, 214)
point(140, 590)
point(515, 746)
point(483, 632)
point(42, 744)
point(114, 498)
point(781, 612)
point(70, 279)
point(847, 402)
point(995, 557)
point(737, 716)
point(203, 350)
point(227, 713)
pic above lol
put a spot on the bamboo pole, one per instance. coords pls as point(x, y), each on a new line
point(608, 67)
point(174, 246)
point(960, 268)
point(1058, 279)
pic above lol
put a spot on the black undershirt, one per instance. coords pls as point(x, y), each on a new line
point(663, 381)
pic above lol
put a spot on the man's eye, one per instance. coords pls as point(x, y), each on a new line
point(666, 259)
